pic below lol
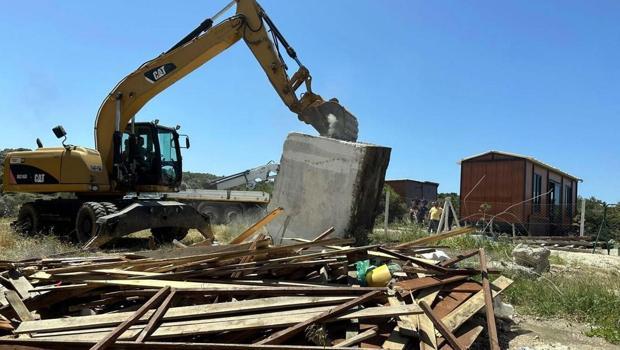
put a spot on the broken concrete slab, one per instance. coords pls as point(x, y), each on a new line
point(536, 258)
point(324, 182)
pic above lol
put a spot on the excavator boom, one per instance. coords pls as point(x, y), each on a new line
point(249, 23)
point(145, 157)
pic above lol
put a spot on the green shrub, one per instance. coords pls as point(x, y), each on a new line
point(582, 298)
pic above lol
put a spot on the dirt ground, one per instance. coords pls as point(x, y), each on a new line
point(541, 334)
point(558, 334)
point(597, 261)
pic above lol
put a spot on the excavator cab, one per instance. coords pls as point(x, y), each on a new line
point(149, 158)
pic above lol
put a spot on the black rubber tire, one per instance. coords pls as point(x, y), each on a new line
point(110, 208)
point(86, 220)
point(233, 215)
point(28, 220)
point(168, 234)
point(213, 212)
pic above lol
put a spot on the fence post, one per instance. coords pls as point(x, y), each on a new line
point(582, 223)
point(443, 220)
point(387, 212)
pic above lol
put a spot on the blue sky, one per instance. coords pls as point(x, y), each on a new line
point(435, 80)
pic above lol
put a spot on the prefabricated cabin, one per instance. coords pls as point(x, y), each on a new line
point(517, 191)
point(410, 190)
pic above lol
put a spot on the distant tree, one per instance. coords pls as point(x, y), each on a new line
point(9, 202)
point(454, 199)
point(197, 180)
point(3, 154)
point(594, 218)
point(398, 207)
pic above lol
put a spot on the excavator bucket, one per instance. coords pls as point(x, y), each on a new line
point(331, 119)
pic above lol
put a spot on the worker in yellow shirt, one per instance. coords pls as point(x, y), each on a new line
point(435, 215)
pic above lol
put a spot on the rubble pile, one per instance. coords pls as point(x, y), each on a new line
point(308, 294)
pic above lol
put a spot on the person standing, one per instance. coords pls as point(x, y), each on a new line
point(422, 210)
point(413, 211)
point(435, 215)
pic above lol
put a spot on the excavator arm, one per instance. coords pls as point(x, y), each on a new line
point(249, 23)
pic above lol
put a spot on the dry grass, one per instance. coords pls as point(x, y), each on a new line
point(223, 233)
point(14, 246)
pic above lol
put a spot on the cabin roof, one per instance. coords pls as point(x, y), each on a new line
point(530, 158)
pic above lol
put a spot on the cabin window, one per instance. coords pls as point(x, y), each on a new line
point(536, 193)
point(555, 205)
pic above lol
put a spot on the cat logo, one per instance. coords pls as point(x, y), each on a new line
point(153, 75)
point(39, 178)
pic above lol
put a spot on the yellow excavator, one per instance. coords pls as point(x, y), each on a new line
point(107, 185)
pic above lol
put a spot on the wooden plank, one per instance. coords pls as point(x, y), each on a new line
point(327, 232)
point(458, 258)
point(194, 250)
point(250, 231)
point(396, 341)
point(416, 261)
point(466, 339)
point(236, 254)
point(236, 323)
point(273, 250)
point(144, 263)
point(438, 237)
point(179, 313)
point(427, 336)
point(55, 288)
point(143, 283)
point(426, 282)
point(321, 236)
point(367, 334)
point(285, 334)
point(409, 324)
point(450, 302)
point(474, 304)
point(157, 317)
point(3, 300)
point(20, 284)
point(18, 305)
point(45, 300)
point(208, 287)
point(121, 328)
point(488, 302)
point(248, 258)
point(440, 326)
point(40, 344)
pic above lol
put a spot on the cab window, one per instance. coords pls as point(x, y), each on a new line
point(169, 166)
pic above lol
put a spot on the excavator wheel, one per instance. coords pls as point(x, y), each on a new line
point(110, 208)
point(85, 223)
point(214, 213)
point(168, 234)
point(28, 220)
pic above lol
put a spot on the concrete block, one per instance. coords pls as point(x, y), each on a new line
point(324, 182)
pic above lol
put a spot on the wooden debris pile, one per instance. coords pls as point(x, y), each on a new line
point(249, 295)
point(576, 243)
